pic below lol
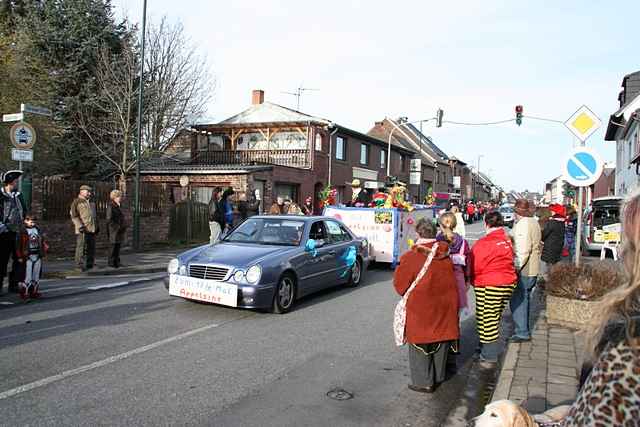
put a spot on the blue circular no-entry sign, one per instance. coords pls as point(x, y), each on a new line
point(583, 167)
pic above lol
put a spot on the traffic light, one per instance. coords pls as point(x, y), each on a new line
point(439, 115)
point(519, 111)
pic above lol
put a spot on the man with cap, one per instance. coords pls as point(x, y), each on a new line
point(526, 244)
point(83, 216)
point(12, 212)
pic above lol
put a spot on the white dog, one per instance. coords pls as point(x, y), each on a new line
point(505, 413)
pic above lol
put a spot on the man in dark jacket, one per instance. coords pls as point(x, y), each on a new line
point(248, 205)
point(216, 218)
point(552, 239)
point(11, 218)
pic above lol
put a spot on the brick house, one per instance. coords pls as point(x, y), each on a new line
point(280, 152)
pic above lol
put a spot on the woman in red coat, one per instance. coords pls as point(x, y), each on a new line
point(494, 277)
point(432, 308)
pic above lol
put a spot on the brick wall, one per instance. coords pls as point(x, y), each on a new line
point(61, 234)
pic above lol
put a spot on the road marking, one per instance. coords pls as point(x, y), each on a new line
point(109, 360)
point(6, 303)
point(108, 286)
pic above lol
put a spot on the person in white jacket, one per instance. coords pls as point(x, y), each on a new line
point(527, 237)
point(459, 221)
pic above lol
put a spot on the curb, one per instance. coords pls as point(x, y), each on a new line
point(17, 302)
point(507, 372)
point(115, 272)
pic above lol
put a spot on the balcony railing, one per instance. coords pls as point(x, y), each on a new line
point(290, 158)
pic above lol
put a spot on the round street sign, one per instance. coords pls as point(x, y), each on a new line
point(23, 135)
point(583, 167)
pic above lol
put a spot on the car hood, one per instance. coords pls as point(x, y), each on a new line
point(237, 254)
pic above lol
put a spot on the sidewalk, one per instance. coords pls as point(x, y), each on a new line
point(132, 263)
point(544, 372)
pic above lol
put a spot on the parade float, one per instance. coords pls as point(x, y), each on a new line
point(388, 223)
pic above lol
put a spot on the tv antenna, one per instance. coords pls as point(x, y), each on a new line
point(298, 93)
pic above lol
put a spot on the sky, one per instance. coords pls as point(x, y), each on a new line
point(375, 59)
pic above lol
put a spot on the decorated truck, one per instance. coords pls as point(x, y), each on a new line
point(390, 231)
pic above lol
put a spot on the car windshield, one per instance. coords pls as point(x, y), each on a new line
point(268, 231)
point(506, 209)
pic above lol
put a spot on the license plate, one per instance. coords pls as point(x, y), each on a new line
point(203, 290)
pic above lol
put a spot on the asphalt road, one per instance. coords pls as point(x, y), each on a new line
point(132, 355)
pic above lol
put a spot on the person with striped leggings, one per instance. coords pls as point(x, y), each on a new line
point(494, 279)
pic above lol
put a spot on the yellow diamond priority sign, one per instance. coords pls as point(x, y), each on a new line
point(583, 123)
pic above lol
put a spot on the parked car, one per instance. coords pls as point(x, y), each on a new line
point(508, 215)
point(270, 262)
point(601, 221)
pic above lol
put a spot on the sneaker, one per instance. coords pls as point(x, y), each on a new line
point(427, 389)
point(22, 291)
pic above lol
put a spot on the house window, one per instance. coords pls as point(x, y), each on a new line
point(251, 141)
point(364, 154)
point(403, 163)
point(383, 158)
point(340, 147)
point(318, 142)
point(216, 143)
point(202, 143)
point(288, 141)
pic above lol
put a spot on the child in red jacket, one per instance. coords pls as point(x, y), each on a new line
point(31, 248)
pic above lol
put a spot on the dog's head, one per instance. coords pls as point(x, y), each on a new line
point(503, 413)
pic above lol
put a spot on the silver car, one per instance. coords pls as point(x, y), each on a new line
point(508, 215)
point(270, 262)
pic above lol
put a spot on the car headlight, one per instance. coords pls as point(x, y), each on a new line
point(174, 266)
point(238, 276)
point(253, 274)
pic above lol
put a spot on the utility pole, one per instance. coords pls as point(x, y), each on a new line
point(136, 208)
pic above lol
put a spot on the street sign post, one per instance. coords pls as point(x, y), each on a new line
point(21, 155)
point(17, 117)
point(582, 168)
point(32, 109)
point(23, 135)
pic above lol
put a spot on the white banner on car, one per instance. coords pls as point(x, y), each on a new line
point(203, 290)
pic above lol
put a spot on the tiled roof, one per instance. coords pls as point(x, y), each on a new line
point(269, 112)
point(397, 140)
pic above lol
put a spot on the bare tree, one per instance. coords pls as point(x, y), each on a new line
point(108, 119)
point(178, 84)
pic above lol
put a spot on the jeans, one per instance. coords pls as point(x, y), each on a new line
point(520, 305)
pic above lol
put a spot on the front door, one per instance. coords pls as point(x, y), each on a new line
point(314, 270)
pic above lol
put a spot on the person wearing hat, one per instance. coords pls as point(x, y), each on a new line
point(12, 211)
point(552, 238)
point(359, 196)
point(83, 216)
point(526, 245)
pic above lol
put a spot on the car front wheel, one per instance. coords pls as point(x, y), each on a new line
point(285, 294)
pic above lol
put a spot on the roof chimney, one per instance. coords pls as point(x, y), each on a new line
point(257, 97)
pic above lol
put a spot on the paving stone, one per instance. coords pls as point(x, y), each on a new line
point(560, 370)
point(532, 363)
point(555, 399)
point(562, 380)
point(565, 363)
point(519, 390)
point(562, 348)
point(561, 389)
point(529, 372)
point(537, 390)
point(517, 398)
point(561, 355)
point(535, 405)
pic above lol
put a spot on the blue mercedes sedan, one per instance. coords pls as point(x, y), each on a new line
point(270, 262)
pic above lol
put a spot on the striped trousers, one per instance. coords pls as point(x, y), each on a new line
point(490, 303)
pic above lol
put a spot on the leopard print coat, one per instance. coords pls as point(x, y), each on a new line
point(611, 393)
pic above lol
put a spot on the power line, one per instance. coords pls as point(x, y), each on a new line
point(480, 123)
point(544, 119)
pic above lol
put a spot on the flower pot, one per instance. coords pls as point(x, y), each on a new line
point(570, 312)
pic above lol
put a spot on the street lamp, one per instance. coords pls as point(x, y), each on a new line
point(478, 175)
point(136, 208)
point(391, 135)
